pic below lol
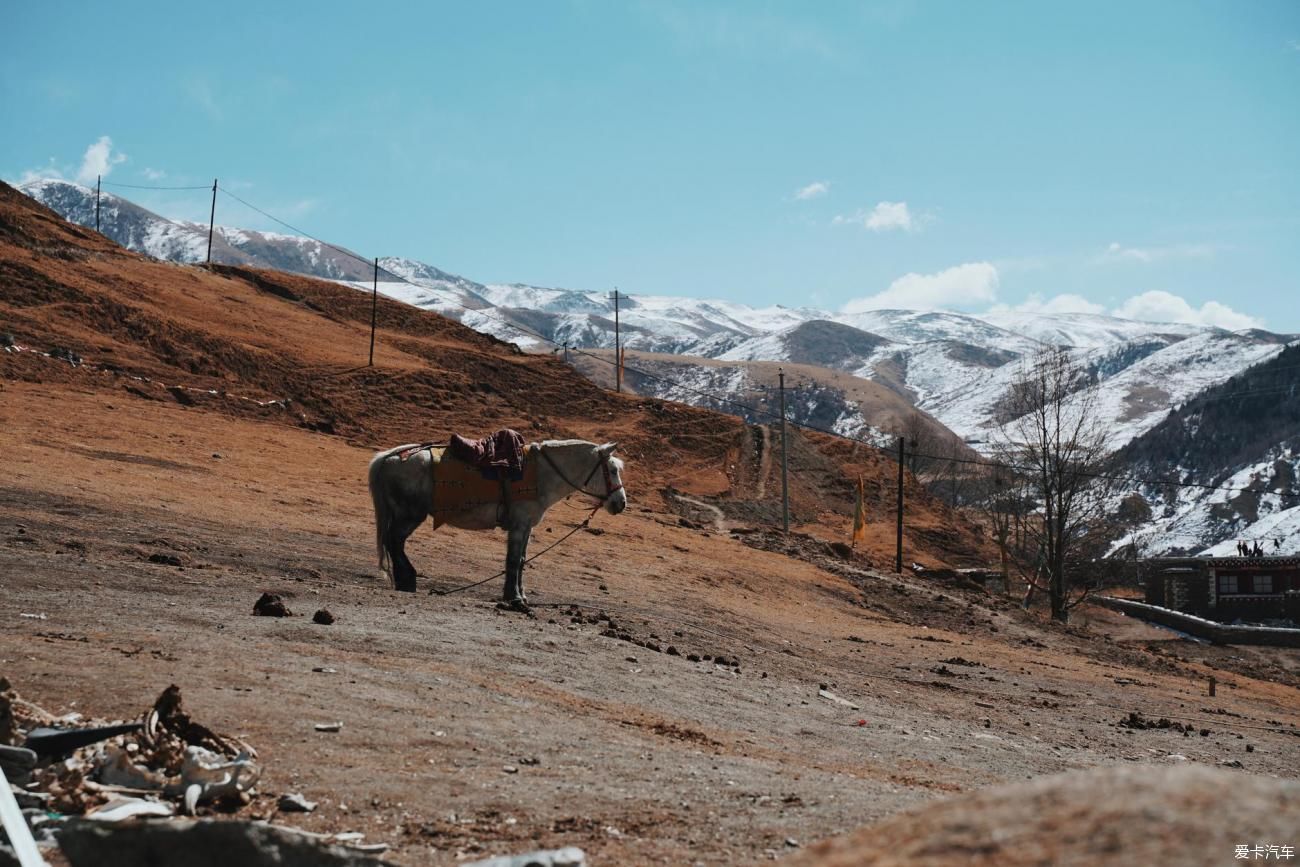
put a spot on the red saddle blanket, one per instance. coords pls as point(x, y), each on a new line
point(461, 487)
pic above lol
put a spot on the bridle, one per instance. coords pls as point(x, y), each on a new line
point(602, 464)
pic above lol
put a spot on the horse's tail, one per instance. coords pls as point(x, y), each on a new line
point(383, 510)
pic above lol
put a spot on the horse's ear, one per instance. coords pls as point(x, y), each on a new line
point(607, 449)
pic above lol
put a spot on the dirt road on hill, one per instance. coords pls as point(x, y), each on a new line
point(470, 731)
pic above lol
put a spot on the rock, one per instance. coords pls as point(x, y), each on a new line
point(295, 803)
point(200, 843)
point(1131, 814)
point(323, 617)
point(164, 559)
point(271, 605)
point(329, 727)
point(17, 763)
point(673, 651)
point(570, 856)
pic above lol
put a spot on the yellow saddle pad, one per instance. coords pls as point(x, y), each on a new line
point(459, 487)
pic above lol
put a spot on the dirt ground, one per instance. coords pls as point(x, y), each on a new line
point(468, 731)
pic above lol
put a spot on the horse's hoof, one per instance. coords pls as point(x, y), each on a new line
point(519, 604)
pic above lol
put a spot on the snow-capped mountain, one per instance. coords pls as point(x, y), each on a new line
point(143, 231)
point(1239, 439)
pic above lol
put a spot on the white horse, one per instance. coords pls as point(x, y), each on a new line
point(401, 485)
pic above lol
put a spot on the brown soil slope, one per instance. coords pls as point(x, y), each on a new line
point(292, 349)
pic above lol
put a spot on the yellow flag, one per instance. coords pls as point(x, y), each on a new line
point(860, 518)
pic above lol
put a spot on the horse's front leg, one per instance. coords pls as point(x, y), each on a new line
point(516, 543)
point(527, 533)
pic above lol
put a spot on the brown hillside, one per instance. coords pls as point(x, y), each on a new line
point(226, 338)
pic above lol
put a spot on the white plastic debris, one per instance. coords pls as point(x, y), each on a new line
point(206, 776)
point(121, 809)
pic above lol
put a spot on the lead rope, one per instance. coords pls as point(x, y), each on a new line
point(585, 522)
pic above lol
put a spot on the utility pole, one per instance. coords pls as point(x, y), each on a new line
point(898, 551)
point(618, 348)
point(566, 352)
point(785, 464)
point(374, 311)
point(212, 219)
point(99, 179)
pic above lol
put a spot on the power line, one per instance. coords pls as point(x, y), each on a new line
point(143, 187)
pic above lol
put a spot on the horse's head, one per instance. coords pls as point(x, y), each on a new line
point(615, 499)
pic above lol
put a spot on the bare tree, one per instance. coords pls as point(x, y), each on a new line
point(1005, 504)
point(1055, 438)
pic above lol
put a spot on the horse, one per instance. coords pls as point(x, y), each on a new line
point(402, 488)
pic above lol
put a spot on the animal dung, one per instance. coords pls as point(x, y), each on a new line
point(271, 605)
point(323, 617)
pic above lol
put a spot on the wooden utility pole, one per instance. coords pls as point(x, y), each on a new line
point(898, 550)
point(99, 179)
point(618, 348)
point(785, 464)
point(374, 312)
point(212, 219)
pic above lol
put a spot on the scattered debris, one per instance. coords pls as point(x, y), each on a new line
point(320, 669)
point(295, 803)
point(271, 605)
point(34, 616)
point(323, 617)
point(329, 727)
point(117, 774)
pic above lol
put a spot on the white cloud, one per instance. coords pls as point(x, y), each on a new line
point(1160, 306)
point(154, 174)
point(890, 215)
point(99, 159)
point(814, 190)
point(885, 217)
point(961, 285)
point(46, 172)
point(1064, 303)
point(1117, 252)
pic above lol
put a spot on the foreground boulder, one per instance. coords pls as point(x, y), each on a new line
point(200, 843)
point(1132, 814)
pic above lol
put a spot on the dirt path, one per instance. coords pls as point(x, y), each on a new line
point(719, 519)
point(467, 731)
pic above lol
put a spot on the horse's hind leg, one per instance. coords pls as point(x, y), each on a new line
point(403, 570)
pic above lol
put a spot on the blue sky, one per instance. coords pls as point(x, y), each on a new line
point(1140, 157)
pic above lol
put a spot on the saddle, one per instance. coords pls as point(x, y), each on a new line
point(496, 470)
